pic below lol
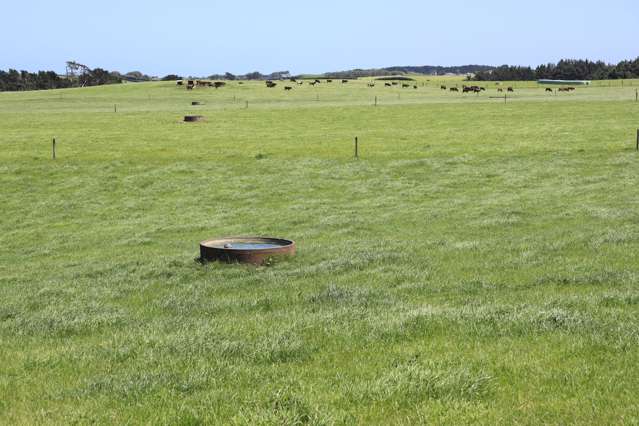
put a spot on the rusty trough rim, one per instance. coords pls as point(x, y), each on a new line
point(193, 118)
point(213, 249)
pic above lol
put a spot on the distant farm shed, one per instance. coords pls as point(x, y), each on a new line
point(572, 82)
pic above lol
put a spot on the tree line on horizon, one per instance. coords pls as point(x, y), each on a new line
point(565, 69)
point(423, 69)
point(14, 80)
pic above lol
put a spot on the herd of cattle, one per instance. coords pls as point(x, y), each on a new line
point(190, 84)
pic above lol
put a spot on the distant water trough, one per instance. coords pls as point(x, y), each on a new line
point(254, 250)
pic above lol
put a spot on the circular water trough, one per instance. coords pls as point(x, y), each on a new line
point(193, 118)
point(255, 250)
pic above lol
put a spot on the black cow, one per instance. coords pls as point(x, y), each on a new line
point(344, 81)
point(510, 89)
point(387, 84)
point(288, 88)
point(442, 87)
point(454, 89)
point(548, 89)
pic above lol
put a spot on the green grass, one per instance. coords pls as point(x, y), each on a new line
point(477, 264)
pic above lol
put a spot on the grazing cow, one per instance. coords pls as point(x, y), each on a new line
point(329, 81)
point(219, 84)
point(442, 87)
point(387, 84)
point(510, 89)
point(570, 89)
point(180, 83)
point(454, 89)
point(371, 85)
point(394, 83)
point(344, 81)
point(270, 84)
point(240, 82)
point(483, 89)
point(288, 88)
point(415, 86)
point(404, 86)
point(499, 89)
point(548, 89)
point(313, 83)
point(300, 83)
point(317, 82)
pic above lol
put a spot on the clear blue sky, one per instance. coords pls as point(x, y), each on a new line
point(201, 37)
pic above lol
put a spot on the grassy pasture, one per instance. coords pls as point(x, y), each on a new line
point(477, 264)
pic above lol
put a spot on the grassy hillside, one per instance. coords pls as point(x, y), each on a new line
point(477, 264)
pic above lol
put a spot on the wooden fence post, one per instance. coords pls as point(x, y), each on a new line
point(356, 148)
point(53, 148)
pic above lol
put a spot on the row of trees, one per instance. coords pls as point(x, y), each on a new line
point(277, 75)
point(566, 69)
point(424, 69)
point(13, 80)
